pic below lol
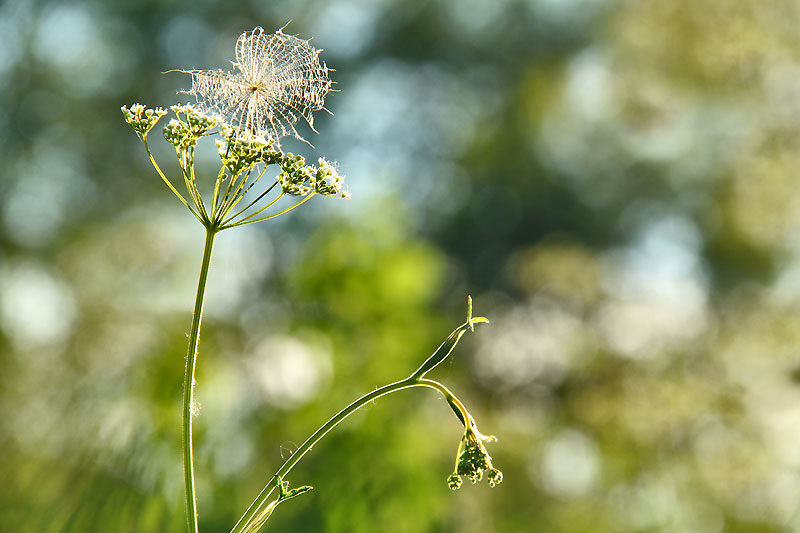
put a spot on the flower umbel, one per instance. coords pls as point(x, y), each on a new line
point(185, 130)
point(240, 151)
point(328, 180)
point(142, 119)
point(473, 460)
point(276, 79)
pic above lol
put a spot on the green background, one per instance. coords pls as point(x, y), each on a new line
point(613, 181)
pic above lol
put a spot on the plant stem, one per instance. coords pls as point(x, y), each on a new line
point(245, 220)
point(166, 180)
point(246, 523)
point(188, 382)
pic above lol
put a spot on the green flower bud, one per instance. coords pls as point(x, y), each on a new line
point(454, 481)
point(494, 476)
point(473, 459)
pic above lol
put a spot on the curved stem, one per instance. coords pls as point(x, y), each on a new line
point(259, 511)
point(250, 521)
point(188, 383)
point(187, 167)
point(166, 180)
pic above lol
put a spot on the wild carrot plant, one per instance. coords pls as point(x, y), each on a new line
point(277, 79)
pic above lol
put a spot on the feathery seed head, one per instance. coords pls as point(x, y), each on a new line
point(276, 80)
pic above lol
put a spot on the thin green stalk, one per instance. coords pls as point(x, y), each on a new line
point(220, 177)
point(260, 196)
point(224, 197)
point(188, 178)
point(169, 183)
point(247, 190)
point(233, 193)
point(251, 520)
point(245, 220)
point(193, 178)
point(188, 382)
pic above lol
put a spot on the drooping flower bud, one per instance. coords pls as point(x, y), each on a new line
point(473, 459)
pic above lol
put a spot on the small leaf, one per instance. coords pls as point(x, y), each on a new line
point(296, 492)
point(449, 343)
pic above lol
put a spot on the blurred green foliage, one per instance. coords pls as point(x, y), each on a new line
point(614, 181)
